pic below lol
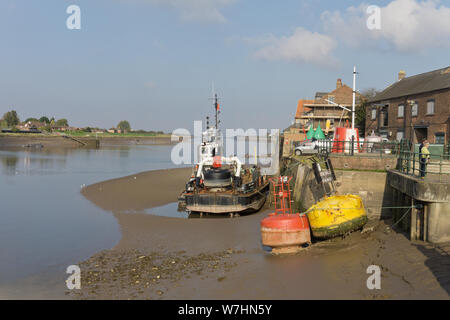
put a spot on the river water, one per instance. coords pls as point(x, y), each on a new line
point(46, 224)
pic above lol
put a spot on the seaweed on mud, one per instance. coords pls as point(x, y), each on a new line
point(145, 275)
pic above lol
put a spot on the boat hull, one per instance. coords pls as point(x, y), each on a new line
point(226, 202)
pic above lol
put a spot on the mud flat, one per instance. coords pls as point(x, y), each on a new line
point(54, 141)
point(117, 141)
point(173, 258)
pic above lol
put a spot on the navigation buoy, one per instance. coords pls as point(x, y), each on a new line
point(282, 230)
point(336, 216)
point(285, 232)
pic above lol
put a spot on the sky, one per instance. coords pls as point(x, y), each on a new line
point(153, 62)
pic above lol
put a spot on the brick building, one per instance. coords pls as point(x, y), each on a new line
point(320, 110)
point(414, 108)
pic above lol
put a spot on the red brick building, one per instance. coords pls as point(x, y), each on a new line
point(321, 111)
point(414, 108)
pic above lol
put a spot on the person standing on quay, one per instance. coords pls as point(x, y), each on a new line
point(421, 146)
point(424, 158)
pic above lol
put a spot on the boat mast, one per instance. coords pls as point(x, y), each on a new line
point(216, 104)
point(216, 107)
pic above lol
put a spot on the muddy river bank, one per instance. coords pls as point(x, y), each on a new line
point(170, 257)
point(54, 141)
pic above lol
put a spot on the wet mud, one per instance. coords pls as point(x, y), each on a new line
point(172, 258)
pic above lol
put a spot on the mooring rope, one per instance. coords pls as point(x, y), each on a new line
point(393, 225)
point(404, 215)
point(338, 208)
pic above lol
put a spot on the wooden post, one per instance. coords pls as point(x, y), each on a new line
point(396, 203)
point(425, 222)
point(413, 231)
point(420, 224)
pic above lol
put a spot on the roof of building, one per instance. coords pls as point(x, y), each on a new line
point(424, 82)
point(301, 108)
point(35, 123)
point(320, 94)
point(343, 95)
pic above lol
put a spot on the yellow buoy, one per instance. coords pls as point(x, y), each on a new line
point(336, 215)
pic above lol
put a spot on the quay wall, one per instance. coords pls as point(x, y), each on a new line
point(370, 186)
point(430, 219)
point(424, 206)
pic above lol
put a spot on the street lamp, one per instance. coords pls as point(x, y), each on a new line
point(411, 104)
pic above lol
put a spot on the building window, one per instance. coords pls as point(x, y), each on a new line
point(400, 135)
point(439, 138)
point(415, 109)
point(331, 98)
point(374, 114)
point(401, 111)
point(430, 107)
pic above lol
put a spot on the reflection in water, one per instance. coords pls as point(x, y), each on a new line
point(124, 152)
point(172, 210)
point(46, 222)
point(168, 210)
point(9, 164)
point(30, 162)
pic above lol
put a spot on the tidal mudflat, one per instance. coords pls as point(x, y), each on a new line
point(160, 257)
point(92, 208)
point(46, 223)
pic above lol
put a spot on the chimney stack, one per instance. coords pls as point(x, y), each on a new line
point(401, 75)
point(338, 83)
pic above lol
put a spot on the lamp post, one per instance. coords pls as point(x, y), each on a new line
point(354, 98)
point(411, 104)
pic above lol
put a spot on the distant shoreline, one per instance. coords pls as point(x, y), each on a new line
point(14, 140)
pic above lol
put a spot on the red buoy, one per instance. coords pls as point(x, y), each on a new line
point(285, 230)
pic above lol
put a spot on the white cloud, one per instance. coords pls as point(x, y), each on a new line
point(302, 46)
point(406, 25)
point(197, 10)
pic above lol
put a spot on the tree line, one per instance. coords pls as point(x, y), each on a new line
point(11, 119)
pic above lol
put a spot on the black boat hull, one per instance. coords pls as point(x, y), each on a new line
point(223, 203)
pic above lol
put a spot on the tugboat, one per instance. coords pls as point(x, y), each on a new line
point(219, 184)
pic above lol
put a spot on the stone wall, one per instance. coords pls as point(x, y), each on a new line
point(369, 185)
point(288, 142)
point(429, 222)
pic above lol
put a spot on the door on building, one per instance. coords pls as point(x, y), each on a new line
point(420, 134)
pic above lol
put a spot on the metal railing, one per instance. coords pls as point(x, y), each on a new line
point(447, 150)
point(355, 147)
point(436, 167)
